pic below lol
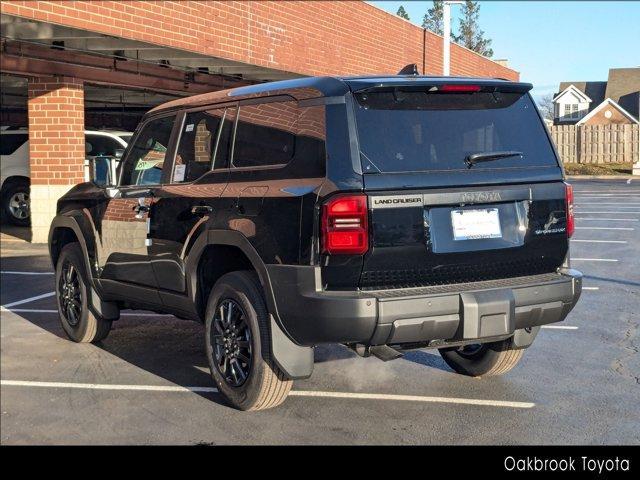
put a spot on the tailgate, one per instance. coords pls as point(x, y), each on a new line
point(443, 236)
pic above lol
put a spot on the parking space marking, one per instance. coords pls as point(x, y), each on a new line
point(607, 195)
point(609, 219)
point(598, 241)
point(6, 272)
point(31, 299)
point(595, 259)
point(293, 393)
point(590, 288)
point(608, 204)
point(560, 327)
point(40, 310)
point(626, 229)
point(617, 213)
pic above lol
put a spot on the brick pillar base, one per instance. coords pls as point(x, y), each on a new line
point(56, 146)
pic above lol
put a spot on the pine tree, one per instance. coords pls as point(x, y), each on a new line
point(432, 20)
point(470, 34)
point(403, 13)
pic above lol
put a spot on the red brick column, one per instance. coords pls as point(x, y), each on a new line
point(56, 145)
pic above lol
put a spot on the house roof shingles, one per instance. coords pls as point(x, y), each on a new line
point(623, 87)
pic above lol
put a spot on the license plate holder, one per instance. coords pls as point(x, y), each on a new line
point(476, 224)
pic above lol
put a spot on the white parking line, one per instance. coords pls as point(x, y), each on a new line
point(38, 310)
point(598, 241)
point(7, 272)
point(294, 393)
point(590, 288)
point(625, 190)
point(617, 213)
point(608, 204)
point(626, 229)
point(31, 299)
point(609, 219)
point(594, 259)
point(560, 327)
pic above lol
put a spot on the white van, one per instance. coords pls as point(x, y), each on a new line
point(14, 166)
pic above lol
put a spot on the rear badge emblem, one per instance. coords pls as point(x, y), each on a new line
point(396, 201)
point(480, 197)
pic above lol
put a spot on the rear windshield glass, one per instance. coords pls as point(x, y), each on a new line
point(410, 129)
point(10, 142)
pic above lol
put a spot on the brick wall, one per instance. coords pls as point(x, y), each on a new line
point(310, 38)
point(56, 130)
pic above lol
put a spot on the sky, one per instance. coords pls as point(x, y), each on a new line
point(553, 41)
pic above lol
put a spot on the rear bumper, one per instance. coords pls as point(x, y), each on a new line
point(450, 313)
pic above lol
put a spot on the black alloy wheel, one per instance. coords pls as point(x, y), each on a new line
point(231, 338)
point(70, 294)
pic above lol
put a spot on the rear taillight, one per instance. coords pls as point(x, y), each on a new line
point(459, 88)
point(571, 222)
point(345, 225)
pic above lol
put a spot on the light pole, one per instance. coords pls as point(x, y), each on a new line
point(446, 49)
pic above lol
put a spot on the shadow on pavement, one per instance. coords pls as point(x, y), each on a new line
point(167, 347)
point(432, 360)
point(12, 233)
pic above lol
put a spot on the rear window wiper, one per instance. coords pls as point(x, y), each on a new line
point(474, 158)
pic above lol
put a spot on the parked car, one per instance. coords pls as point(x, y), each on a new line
point(14, 166)
point(382, 213)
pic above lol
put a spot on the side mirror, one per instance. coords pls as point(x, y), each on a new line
point(101, 171)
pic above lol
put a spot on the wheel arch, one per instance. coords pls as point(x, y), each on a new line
point(69, 228)
point(295, 360)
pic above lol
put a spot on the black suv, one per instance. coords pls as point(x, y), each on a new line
point(383, 213)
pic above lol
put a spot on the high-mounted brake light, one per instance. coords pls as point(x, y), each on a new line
point(459, 88)
point(345, 225)
point(571, 222)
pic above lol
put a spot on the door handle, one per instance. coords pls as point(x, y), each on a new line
point(201, 210)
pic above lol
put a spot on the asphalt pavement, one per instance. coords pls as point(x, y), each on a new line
point(148, 382)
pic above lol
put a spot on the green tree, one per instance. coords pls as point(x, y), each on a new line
point(403, 13)
point(470, 35)
point(432, 20)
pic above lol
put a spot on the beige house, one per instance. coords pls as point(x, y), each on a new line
point(616, 101)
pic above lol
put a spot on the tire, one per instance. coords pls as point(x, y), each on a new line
point(15, 203)
point(489, 359)
point(240, 295)
point(78, 322)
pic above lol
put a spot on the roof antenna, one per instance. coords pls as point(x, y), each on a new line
point(411, 69)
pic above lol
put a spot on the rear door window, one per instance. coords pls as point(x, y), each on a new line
point(101, 145)
point(10, 142)
point(204, 144)
point(413, 129)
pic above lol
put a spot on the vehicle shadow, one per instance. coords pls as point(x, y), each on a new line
point(426, 359)
point(165, 346)
point(12, 232)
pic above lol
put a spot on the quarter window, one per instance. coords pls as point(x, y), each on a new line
point(265, 134)
point(145, 161)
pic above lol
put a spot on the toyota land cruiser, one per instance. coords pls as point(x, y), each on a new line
point(383, 213)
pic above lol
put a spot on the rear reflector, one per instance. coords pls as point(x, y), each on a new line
point(459, 88)
point(571, 222)
point(345, 226)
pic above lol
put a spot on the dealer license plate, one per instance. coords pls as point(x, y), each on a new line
point(476, 224)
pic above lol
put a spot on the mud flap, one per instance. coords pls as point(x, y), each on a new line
point(487, 314)
point(292, 359)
